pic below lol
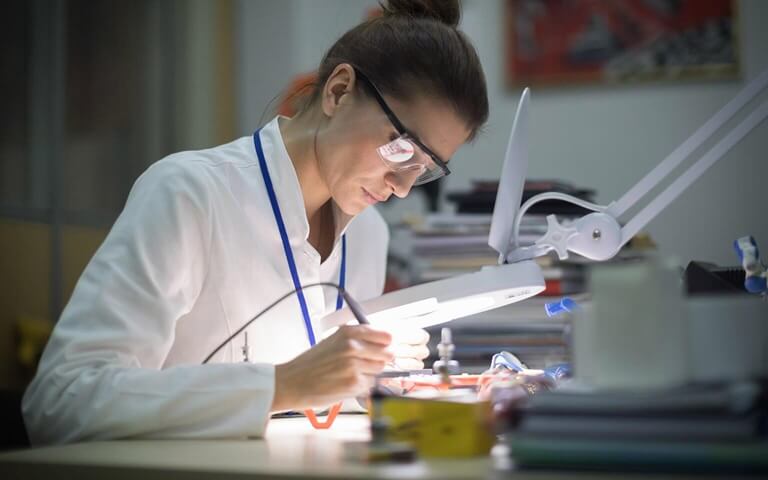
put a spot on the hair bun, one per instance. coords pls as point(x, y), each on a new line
point(444, 11)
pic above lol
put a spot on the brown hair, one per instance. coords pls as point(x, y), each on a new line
point(416, 47)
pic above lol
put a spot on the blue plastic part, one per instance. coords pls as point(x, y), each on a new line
point(565, 304)
point(752, 283)
point(739, 251)
point(569, 304)
point(751, 240)
point(755, 284)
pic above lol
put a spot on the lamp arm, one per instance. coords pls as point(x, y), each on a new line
point(655, 206)
point(696, 140)
point(549, 196)
point(598, 235)
point(594, 236)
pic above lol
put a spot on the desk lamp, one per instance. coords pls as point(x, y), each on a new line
point(597, 236)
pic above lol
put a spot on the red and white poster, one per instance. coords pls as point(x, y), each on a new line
point(559, 42)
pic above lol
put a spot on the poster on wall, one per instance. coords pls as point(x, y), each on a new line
point(564, 42)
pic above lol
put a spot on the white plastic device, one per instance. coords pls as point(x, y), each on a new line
point(600, 235)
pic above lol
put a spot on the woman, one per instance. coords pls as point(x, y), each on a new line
point(210, 238)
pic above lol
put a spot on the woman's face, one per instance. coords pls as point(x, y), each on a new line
point(347, 144)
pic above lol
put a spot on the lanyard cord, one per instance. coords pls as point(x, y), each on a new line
point(342, 273)
point(287, 245)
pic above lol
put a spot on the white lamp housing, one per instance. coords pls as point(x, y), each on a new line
point(438, 302)
point(599, 235)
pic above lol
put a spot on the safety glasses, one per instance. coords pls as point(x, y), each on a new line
point(406, 154)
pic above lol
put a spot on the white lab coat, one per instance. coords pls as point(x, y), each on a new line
point(193, 256)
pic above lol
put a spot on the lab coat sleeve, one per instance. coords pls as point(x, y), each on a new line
point(101, 374)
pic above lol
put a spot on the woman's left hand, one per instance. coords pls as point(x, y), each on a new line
point(409, 345)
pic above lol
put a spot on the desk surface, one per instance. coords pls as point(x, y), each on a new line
point(290, 449)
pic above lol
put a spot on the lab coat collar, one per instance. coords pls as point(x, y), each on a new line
point(288, 188)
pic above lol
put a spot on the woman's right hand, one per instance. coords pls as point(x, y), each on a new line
point(341, 366)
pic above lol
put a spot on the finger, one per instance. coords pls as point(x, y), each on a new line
point(371, 351)
point(366, 333)
point(411, 336)
point(369, 367)
point(419, 352)
point(408, 364)
point(367, 382)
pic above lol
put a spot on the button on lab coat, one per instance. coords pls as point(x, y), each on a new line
point(193, 256)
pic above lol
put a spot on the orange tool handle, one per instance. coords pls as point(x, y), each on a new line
point(332, 412)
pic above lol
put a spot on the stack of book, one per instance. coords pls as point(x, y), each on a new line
point(440, 246)
point(523, 329)
point(445, 245)
point(482, 197)
point(703, 428)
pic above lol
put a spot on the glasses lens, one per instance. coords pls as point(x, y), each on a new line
point(403, 155)
point(398, 151)
point(429, 175)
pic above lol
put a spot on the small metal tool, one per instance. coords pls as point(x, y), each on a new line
point(446, 365)
point(246, 349)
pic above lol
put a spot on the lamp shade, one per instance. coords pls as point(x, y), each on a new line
point(438, 302)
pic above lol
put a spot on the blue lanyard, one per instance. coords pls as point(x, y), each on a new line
point(287, 244)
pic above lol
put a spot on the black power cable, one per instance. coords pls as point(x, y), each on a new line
point(351, 303)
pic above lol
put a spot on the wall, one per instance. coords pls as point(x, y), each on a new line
point(25, 268)
point(279, 39)
point(24, 261)
point(606, 138)
point(186, 79)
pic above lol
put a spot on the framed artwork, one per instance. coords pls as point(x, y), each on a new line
point(560, 42)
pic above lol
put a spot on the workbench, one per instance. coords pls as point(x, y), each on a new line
point(291, 449)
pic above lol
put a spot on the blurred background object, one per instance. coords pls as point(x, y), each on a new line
point(93, 93)
point(583, 41)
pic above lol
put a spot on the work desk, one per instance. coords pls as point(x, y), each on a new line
point(291, 449)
